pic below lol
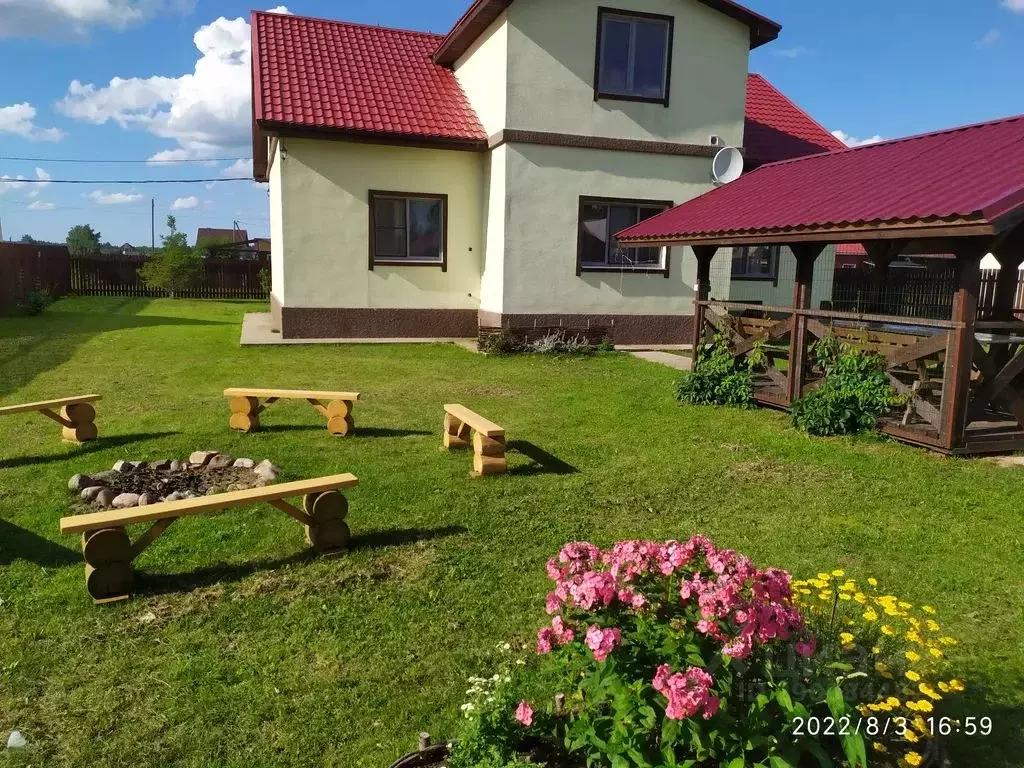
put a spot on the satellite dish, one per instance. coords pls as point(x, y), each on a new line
point(727, 166)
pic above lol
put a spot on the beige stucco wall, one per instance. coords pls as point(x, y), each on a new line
point(323, 236)
point(483, 74)
point(277, 243)
point(551, 54)
point(492, 284)
point(780, 292)
point(544, 185)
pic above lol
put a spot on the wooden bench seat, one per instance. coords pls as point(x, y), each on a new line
point(246, 406)
point(487, 437)
point(109, 552)
point(76, 416)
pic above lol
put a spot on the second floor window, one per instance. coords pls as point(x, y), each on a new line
point(634, 56)
point(755, 262)
point(407, 229)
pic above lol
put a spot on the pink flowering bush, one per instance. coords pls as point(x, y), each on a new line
point(671, 654)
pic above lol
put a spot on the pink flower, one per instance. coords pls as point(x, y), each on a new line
point(545, 637)
point(688, 693)
point(524, 714)
point(562, 633)
point(602, 641)
point(806, 648)
point(553, 604)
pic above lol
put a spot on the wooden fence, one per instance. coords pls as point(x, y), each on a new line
point(911, 294)
point(27, 267)
point(119, 276)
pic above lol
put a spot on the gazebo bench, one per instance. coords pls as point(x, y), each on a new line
point(487, 437)
point(76, 416)
point(246, 406)
point(109, 552)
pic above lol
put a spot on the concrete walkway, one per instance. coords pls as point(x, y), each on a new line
point(257, 331)
point(679, 362)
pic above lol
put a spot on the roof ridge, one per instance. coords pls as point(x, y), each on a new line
point(913, 137)
point(798, 108)
point(343, 23)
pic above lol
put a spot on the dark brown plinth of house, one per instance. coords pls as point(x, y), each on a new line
point(327, 323)
point(626, 329)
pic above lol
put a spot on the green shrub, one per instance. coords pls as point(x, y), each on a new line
point(718, 378)
point(854, 393)
point(502, 343)
point(176, 267)
point(35, 302)
point(264, 279)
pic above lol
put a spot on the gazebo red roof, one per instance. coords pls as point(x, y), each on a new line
point(967, 176)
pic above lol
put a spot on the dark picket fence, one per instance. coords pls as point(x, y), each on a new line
point(119, 276)
point(28, 267)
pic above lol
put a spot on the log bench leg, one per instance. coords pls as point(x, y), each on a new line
point(245, 414)
point(108, 565)
point(339, 417)
point(456, 434)
point(327, 532)
point(488, 455)
point(78, 422)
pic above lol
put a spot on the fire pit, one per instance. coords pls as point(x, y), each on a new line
point(137, 483)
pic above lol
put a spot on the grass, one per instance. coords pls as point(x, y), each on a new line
point(239, 649)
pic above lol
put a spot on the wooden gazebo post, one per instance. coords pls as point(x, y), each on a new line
point(806, 255)
point(956, 386)
point(701, 289)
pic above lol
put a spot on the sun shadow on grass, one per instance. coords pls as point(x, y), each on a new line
point(103, 444)
point(1003, 748)
point(389, 432)
point(161, 584)
point(19, 544)
point(542, 462)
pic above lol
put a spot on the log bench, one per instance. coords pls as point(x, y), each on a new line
point(462, 426)
point(246, 406)
point(109, 552)
point(76, 416)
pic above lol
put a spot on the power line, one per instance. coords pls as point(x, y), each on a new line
point(121, 181)
point(147, 162)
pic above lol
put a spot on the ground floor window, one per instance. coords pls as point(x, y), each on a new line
point(600, 219)
point(408, 229)
point(755, 262)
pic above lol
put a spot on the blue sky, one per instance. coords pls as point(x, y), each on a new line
point(168, 79)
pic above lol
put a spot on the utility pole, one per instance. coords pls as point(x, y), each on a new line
point(152, 222)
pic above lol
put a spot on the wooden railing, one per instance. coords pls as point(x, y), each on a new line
point(119, 276)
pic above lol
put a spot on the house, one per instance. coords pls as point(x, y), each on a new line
point(427, 185)
point(213, 235)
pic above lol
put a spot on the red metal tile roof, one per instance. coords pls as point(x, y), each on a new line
point(851, 249)
point(972, 173)
point(482, 13)
point(321, 74)
point(777, 129)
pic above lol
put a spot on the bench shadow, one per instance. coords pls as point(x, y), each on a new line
point(102, 444)
point(153, 584)
point(272, 428)
point(542, 462)
point(19, 544)
point(389, 432)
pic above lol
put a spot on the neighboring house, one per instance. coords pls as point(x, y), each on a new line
point(213, 235)
point(424, 185)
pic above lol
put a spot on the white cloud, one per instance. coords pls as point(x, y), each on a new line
point(206, 112)
point(11, 183)
point(20, 119)
point(852, 141)
point(240, 169)
point(185, 203)
point(795, 52)
point(991, 37)
point(64, 18)
point(114, 198)
point(43, 182)
point(1017, 6)
point(41, 205)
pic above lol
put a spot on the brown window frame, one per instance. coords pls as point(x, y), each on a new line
point(386, 261)
point(776, 259)
point(603, 11)
point(581, 268)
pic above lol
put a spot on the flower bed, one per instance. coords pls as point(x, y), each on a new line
point(673, 654)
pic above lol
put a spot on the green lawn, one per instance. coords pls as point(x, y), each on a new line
point(240, 649)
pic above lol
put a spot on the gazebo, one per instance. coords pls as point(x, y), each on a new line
point(959, 193)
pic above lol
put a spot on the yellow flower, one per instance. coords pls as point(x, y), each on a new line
point(905, 606)
point(844, 596)
point(947, 641)
point(920, 724)
point(914, 636)
point(912, 706)
point(876, 650)
point(873, 582)
point(860, 598)
point(911, 736)
point(839, 573)
point(956, 685)
point(818, 583)
point(887, 630)
point(846, 638)
point(878, 746)
point(932, 625)
point(848, 586)
point(928, 691)
point(927, 609)
point(944, 687)
point(935, 652)
point(870, 615)
point(883, 670)
point(824, 576)
point(913, 759)
point(924, 706)
point(912, 656)
point(824, 595)
point(912, 676)
point(893, 702)
point(804, 591)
